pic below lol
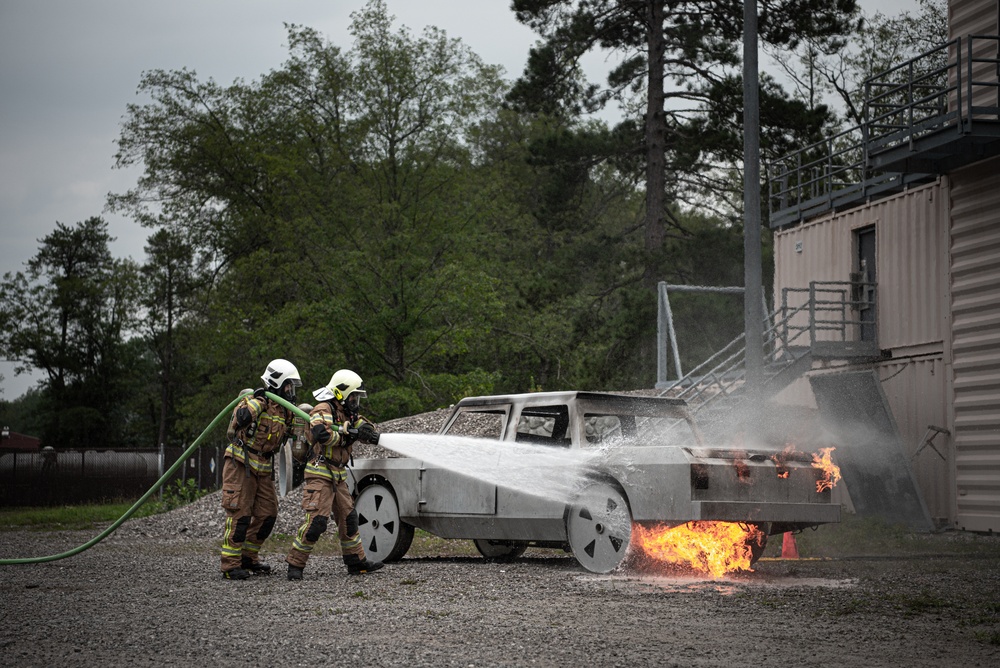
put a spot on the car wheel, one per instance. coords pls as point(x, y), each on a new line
point(495, 550)
point(599, 528)
point(384, 536)
point(757, 547)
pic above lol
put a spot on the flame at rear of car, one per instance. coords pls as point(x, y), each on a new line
point(714, 548)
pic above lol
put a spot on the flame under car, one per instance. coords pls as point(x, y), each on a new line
point(580, 469)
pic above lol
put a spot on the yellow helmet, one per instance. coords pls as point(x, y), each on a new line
point(345, 386)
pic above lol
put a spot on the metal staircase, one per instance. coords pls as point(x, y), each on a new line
point(828, 320)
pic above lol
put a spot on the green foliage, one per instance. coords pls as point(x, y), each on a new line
point(389, 208)
point(395, 401)
point(70, 316)
point(684, 107)
point(24, 414)
point(833, 71)
point(342, 196)
point(176, 494)
point(872, 536)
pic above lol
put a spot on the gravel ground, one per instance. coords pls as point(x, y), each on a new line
point(151, 594)
point(141, 601)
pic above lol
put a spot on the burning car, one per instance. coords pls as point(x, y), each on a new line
point(578, 471)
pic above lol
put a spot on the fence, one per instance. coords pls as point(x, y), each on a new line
point(57, 477)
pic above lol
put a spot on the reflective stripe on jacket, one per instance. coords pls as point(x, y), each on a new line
point(328, 458)
point(269, 424)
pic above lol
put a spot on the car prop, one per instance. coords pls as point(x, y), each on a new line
point(591, 473)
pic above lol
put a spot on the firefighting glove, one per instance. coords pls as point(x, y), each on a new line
point(367, 434)
point(348, 434)
point(243, 417)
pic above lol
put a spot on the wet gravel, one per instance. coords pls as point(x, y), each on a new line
point(143, 601)
point(151, 595)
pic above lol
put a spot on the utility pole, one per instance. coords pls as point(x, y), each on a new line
point(753, 316)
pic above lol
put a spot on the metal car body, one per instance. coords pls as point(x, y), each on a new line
point(643, 460)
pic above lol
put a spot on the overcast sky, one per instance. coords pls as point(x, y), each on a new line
point(68, 68)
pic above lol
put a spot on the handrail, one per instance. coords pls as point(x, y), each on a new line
point(825, 307)
point(934, 91)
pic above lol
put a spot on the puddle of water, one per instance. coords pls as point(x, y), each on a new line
point(727, 586)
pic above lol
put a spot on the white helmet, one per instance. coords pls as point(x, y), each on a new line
point(278, 373)
point(342, 385)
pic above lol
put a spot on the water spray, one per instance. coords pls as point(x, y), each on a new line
point(156, 486)
point(536, 470)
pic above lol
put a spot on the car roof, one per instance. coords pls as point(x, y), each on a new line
point(566, 397)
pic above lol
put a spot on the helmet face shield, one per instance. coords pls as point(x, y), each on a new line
point(287, 390)
point(353, 401)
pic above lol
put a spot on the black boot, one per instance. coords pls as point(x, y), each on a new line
point(236, 574)
point(255, 567)
point(294, 572)
point(358, 566)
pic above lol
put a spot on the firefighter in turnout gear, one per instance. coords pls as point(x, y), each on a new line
point(256, 431)
point(334, 426)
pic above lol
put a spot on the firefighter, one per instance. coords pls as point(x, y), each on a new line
point(256, 431)
point(335, 424)
point(50, 460)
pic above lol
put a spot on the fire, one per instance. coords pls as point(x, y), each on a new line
point(716, 548)
point(831, 471)
point(780, 460)
point(742, 470)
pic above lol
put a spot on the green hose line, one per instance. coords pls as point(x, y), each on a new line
point(290, 406)
point(159, 483)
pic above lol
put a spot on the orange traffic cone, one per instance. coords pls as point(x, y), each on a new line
point(788, 548)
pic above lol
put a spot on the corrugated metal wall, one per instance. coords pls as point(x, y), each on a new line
point(972, 17)
point(975, 17)
point(911, 231)
point(938, 264)
point(912, 263)
point(918, 392)
point(975, 312)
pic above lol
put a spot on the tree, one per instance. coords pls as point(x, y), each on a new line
point(689, 43)
point(69, 316)
point(169, 281)
point(340, 200)
point(571, 242)
point(838, 68)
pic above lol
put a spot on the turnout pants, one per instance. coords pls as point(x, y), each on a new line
point(320, 498)
point(251, 505)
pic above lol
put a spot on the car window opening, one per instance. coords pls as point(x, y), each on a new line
point(544, 425)
point(479, 423)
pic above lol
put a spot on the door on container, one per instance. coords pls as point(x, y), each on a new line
point(865, 294)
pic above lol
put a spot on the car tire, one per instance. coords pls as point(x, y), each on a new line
point(384, 535)
point(599, 527)
point(757, 548)
point(494, 550)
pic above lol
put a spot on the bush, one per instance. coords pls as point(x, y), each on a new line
point(175, 495)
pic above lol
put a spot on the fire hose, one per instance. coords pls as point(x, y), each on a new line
point(156, 486)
